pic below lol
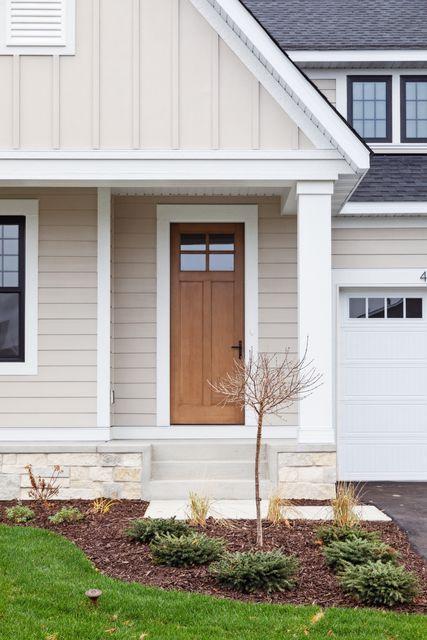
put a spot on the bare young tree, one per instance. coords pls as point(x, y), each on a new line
point(268, 384)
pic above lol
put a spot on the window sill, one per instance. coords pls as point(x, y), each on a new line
point(18, 368)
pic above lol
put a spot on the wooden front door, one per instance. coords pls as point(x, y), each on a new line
point(206, 319)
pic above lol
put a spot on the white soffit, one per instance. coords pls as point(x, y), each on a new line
point(283, 80)
point(361, 56)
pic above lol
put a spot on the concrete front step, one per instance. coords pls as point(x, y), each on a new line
point(206, 470)
point(204, 450)
point(214, 489)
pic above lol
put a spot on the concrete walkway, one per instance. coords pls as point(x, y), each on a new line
point(406, 503)
point(242, 509)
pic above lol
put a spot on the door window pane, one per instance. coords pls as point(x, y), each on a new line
point(193, 242)
point(221, 242)
point(193, 262)
point(414, 111)
point(414, 307)
point(357, 308)
point(9, 325)
point(394, 307)
point(376, 308)
point(221, 262)
point(369, 110)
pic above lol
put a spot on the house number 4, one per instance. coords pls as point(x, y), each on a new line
point(423, 276)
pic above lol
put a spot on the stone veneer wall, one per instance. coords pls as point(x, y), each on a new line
point(307, 474)
point(85, 475)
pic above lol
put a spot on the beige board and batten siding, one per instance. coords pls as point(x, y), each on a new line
point(379, 248)
point(134, 297)
point(63, 393)
point(145, 75)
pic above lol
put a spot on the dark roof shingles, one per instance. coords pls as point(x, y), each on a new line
point(343, 24)
point(394, 178)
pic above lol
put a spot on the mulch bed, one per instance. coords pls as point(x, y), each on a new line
point(102, 539)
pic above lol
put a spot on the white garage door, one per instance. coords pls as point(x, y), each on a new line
point(382, 386)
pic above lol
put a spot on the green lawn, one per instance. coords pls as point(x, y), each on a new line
point(43, 578)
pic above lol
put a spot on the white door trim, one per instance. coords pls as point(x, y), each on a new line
point(104, 309)
point(166, 215)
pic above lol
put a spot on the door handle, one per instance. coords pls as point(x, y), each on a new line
point(239, 347)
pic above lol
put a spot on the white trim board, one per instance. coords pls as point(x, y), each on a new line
point(166, 215)
point(379, 222)
point(104, 308)
point(365, 55)
point(53, 434)
point(29, 209)
point(384, 208)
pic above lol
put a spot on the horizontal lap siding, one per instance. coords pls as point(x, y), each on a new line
point(134, 297)
point(376, 248)
point(63, 393)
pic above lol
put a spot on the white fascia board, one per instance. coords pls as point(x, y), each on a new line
point(242, 24)
point(384, 208)
point(123, 172)
point(361, 55)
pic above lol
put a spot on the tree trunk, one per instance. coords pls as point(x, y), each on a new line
point(259, 536)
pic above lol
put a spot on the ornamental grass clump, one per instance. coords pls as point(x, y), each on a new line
point(20, 514)
point(67, 515)
point(356, 551)
point(253, 571)
point(146, 529)
point(186, 550)
point(332, 533)
point(381, 584)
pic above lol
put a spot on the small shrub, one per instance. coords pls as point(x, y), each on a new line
point(44, 489)
point(343, 505)
point(102, 506)
point(146, 529)
point(253, 571)
point(19, 514)
point(332, 533)
point(379, 583)
point(66, 514)
point(185, 550)
point(356, 551)
point(198, 509)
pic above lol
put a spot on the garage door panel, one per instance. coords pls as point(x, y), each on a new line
point(384, 344)
point(395, 381)
point(383, 461)
point(384, 419)
point(382, 386)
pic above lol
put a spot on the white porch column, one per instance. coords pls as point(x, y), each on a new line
point(104, 313)
point(315, 306)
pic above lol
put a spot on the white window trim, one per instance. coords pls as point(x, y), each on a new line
point(43, 49)
point(167, 214)
point(29, 209)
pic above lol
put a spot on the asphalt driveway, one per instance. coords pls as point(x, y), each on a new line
point(406, 503)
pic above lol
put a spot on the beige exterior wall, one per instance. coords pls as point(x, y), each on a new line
point(379, 248)
point(134, 297)
point(328, 87)
point(63, 393)
point(161, 78)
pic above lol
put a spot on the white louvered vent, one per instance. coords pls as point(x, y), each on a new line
point(36, 23)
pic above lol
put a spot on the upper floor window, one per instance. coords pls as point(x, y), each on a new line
point(413, 97)
point(369, 107)
point(12, 294)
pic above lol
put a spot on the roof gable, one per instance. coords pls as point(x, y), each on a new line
point(291, 89)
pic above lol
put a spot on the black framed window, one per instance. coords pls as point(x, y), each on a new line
point(369, 107)
point(12, 288)
point(413, 108)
